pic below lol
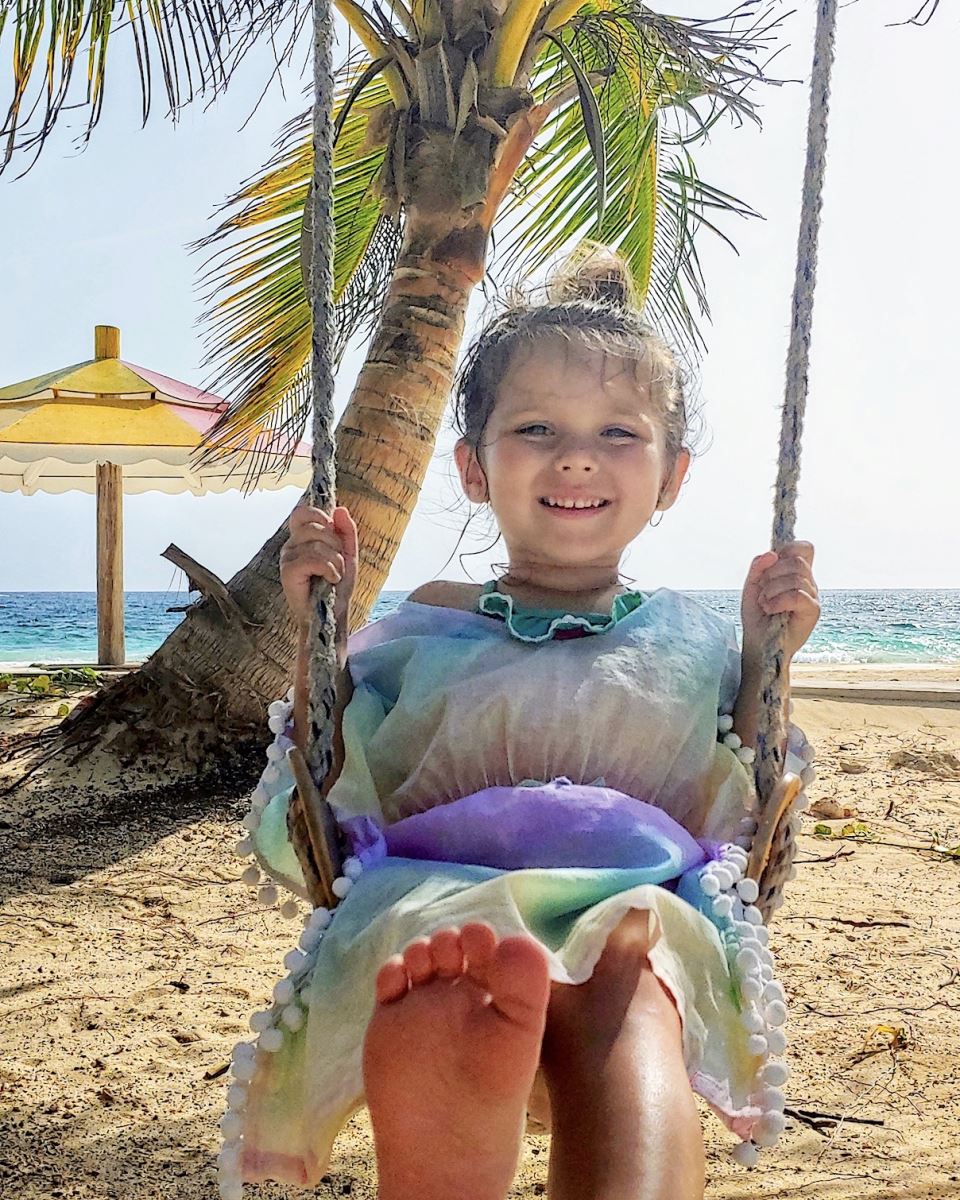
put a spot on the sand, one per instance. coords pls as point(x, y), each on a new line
point(131, 958)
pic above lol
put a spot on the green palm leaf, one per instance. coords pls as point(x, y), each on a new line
point(259, 324)
point(188, 46)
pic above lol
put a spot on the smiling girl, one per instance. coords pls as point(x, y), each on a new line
point(545, 781)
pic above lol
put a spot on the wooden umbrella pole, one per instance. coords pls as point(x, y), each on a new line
point(111, 649)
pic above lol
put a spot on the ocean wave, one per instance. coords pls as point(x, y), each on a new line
point(877, 656)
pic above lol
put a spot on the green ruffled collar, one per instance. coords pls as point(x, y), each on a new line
point(540, 625)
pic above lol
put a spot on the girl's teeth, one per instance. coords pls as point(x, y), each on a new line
point(574, 503)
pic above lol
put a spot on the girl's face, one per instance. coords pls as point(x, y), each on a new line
point(573, 460)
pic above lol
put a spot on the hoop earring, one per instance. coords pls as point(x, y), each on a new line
point(652, 523)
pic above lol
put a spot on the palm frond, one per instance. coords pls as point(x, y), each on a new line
point(645, 68)
point(58, 50)
point(259, 324)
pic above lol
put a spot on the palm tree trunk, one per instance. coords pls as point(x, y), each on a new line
point(203, 693)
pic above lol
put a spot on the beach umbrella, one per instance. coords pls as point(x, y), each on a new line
point(109, 427)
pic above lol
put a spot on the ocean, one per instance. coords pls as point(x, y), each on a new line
point(856, 627)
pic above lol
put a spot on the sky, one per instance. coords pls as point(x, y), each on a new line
point(101, 236)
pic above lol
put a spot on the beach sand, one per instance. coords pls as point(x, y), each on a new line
point(132, 958)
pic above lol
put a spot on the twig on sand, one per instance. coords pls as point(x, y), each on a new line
point(824, 1122)
point(847, 921)
point(841, 852)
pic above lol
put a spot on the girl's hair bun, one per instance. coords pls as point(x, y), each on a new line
point(593, 273)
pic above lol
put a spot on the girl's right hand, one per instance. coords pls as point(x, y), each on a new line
point(322, 546)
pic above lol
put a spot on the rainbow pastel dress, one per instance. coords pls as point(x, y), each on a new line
point(500, 768)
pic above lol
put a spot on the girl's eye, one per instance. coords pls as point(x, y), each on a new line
point(616, 431)
point(536, 429)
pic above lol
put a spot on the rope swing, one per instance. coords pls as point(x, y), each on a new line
point(771, 856)
point(312, 827)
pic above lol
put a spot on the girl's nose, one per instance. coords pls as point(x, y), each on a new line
point(576, 457)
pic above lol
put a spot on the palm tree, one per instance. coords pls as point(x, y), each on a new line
point(547, 116)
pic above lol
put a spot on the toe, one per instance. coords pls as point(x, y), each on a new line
point(447, 953)
point(392, 980)
point(479, 943)
point(518, 979)
point(418, 961)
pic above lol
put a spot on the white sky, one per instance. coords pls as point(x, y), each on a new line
point(100, 237)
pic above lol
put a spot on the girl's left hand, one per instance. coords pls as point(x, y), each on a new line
point(780, 583)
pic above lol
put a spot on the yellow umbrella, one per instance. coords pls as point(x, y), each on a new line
point(109, 426)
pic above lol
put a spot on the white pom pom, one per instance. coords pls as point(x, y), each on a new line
point(748, 825)
point(251, 821)
point(723, 875)
point(735, 853)
point(279, 708)
point(751, 988)
point(776, 1040)
point(776, 1013)
point(775, 1073)
point(292, 1017)
point(753, 915)
point(243, 1052)
point(807, 776)
point(746, 1154)
point(747, 755)
point(291, 692)
point(748, 891)
point(290, 909)
point(744, 841)
point(228, 1160)
point(774, 991)
point(767, 1130)
point(733, 870)
point(762, 934)
point(259, 1021)
point(722, 906)
point(732, 741)
point(284, 991)
point(274, 753)
point(352, 868)
point(259, 798)
point(802, 803)
point(267, 896)
point(236, 1096)
point(751, 1020)
point(320, 918)
point(251, 877)
point(724, 723)
point(271, 1040)
point(244, 1070)
point(276, 724)
point(709, 884)
point(341, 886)
point(773, 1100)
point(807, 753)
point(310, 939)
point(293, 960)
point(757, 1044)
point(747, 961)
point(243, 848)
point(230, 1188)
point(231, 1125)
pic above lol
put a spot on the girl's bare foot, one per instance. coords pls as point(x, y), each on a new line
point(449, 1059)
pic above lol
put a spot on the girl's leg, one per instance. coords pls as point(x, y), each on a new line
point(625, 1122)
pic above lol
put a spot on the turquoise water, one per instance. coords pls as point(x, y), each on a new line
point(856, 627)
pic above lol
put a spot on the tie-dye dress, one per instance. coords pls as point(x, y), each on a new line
point(544, 783)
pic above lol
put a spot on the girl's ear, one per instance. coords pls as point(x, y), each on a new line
point(472, 477)
point(674, 481)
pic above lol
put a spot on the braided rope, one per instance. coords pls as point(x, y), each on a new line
point(312, 828)
point(771, 735)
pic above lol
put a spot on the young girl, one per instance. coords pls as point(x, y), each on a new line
point(546, 785)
